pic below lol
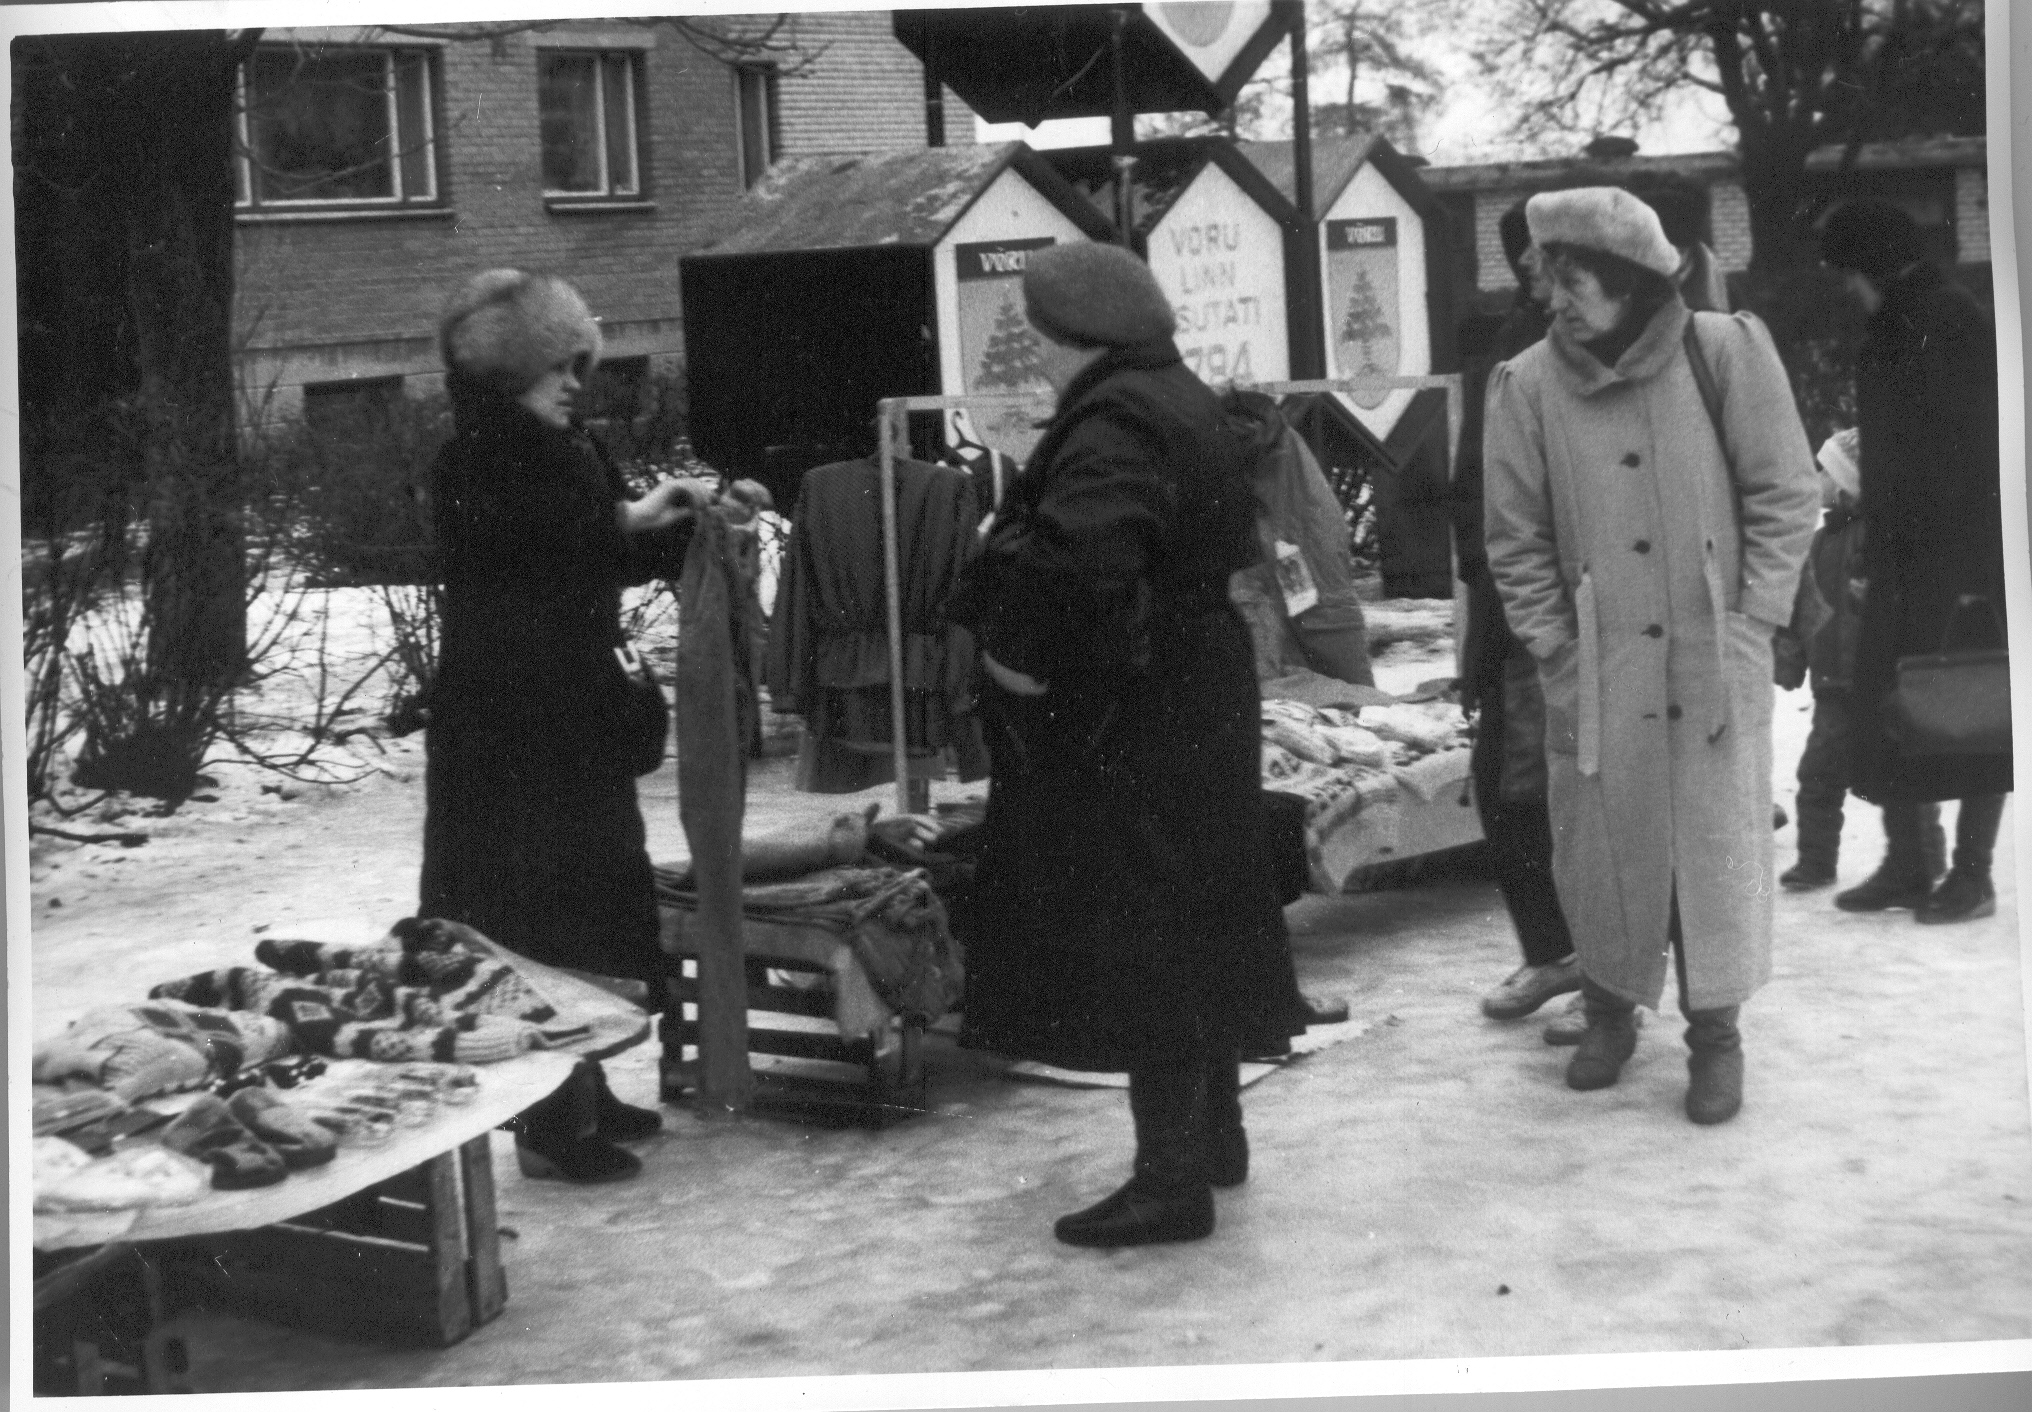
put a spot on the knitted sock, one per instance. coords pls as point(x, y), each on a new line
point(296, 1139)
point(471, 1039)
point(496, 988)
point(208, 1131)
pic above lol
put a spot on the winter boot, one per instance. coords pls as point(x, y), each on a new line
point(1610, 1040)
point(615, 1121)
point(1906, 875)
point(1227, 1145)
point(1168, 1198)
point(1820, 825)
point(1968, 892)
point(1714, 1065)
point(557, 1139)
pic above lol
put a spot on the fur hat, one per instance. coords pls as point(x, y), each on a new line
point(1871, 237)
point(507, 328)
point(1092, 295)
point(1604, 218)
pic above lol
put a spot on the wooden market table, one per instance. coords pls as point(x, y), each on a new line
point(396, 1243)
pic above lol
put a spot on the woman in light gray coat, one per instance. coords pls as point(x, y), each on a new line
point(1645, 567)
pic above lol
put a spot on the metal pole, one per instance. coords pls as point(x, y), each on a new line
point(1122, 136)
point(892, 588)
point(1310, 300)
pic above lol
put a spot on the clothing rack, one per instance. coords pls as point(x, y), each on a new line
point(893, 418)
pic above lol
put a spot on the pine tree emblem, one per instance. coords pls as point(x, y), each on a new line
point(1012, 358)
point(1365, 323)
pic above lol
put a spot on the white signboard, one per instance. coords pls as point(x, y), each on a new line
point(1372, 257)
point(1210, 33)
point(985, 343)
point(1220, 257)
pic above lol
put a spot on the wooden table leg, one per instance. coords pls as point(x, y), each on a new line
point(487, 1282)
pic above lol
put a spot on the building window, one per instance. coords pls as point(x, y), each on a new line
point(590, 139)
point(336, 125)
point(349, 410)
point(614, 392)
point(756, 129)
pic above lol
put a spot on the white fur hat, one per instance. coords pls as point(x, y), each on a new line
point(507, 328)
point(1605, 218)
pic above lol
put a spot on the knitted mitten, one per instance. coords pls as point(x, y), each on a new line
point(471, 1039)
point(299, 1141)
point(208, 1131)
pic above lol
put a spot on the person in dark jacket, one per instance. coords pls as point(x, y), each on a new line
point(531, 833)
point(1499, 684)
point(1926, 405)
point(1830, 597)
point(1121, 897)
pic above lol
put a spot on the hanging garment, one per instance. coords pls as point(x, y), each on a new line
point(828, 656)
point(1299, 600)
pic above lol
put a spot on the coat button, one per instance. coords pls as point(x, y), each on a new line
point(1673, 713)
point(1642, 546)
point(1654, 631)
point(1633, 459)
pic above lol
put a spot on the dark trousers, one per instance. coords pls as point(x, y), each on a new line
point(1975, 830)
point(569, 1115)
point(1178, 1104)
point(1824, 778)
point(1519, 833)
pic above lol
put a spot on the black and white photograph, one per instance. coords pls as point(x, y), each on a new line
point(990, 706)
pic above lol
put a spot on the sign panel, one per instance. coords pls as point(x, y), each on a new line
point(1210, 33)
point(999, 351)
point(1220, 257)
point(1365, 314)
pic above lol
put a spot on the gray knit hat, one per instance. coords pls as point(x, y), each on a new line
point(1604, 218)
point(1092, 295)
point(507, 328)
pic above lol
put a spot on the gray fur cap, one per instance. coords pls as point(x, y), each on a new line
point(1604, 218)
point(507, 328)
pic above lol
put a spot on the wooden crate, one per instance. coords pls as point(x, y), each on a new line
point(415, 1260)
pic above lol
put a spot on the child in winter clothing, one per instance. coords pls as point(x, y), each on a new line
point(1827, 653)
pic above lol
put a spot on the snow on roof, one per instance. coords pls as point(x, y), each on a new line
point(851, 200)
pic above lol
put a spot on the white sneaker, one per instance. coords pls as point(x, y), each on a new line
point(1571, 1023)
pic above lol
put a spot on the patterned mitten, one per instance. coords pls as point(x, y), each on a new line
point(299, 1141)
point(471, 1039)
point(208, 1131)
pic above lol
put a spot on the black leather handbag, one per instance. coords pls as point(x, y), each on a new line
point(1956, 702)
point(646, 720)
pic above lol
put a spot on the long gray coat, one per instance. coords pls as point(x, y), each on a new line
point(1647, 585)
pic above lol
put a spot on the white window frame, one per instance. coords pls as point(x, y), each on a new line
point(400, 145)
point(605, 61)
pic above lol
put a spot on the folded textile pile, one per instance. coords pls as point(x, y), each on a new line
point(1421, 727)
point(134, 1051)
point(440, 992)
point(892, 919)
point(1324, 735)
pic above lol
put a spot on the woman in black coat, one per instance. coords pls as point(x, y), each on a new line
point(532, 835)
point(1926, 413)
point(1124, 909)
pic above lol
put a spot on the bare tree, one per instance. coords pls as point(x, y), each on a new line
point(1796, 75)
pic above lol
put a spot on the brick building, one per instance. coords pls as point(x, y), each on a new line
point(382, 166)
point(1942, 182)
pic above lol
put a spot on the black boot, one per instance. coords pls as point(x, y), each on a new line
point(1610, 1040)
point(615, 1121)
point(1168, 1198)
point(1714, 1065)
point(1968, 892)
point(1906, 875)
point(558, 1138)
point(1227, 1144)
